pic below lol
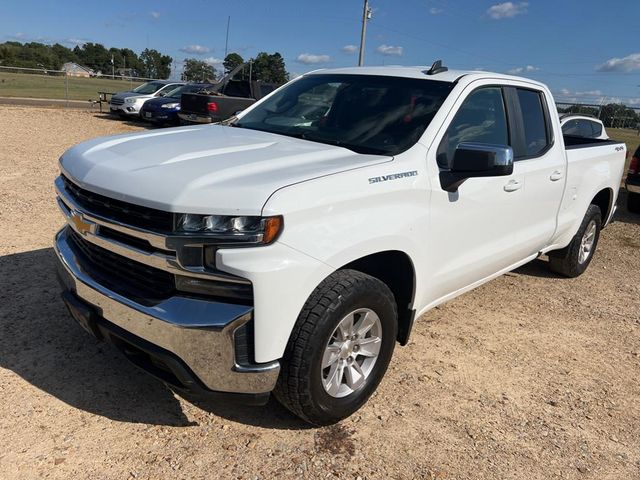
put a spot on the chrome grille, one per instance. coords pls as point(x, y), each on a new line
point(135, 215)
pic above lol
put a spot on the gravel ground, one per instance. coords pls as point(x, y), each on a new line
point(531, 376)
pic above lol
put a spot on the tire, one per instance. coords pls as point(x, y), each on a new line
point(572, 260)
point(315, 339)
point(633, 202)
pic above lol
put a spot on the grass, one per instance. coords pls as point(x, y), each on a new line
point(48, 86)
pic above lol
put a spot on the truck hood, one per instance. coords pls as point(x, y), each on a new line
point(203, 169)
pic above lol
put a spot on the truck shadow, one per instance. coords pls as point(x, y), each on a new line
point(622, 214)
point(41, 343)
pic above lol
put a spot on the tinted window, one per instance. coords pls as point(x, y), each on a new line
point(365, 113)
point(148, 88)
point(534, 124)
point(572, 127)
point(585, 128)
point(266, 90)
point(481, 119)
point(597, 129)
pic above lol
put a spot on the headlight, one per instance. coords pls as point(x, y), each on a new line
point(171, 105)
point(131, 100)
point(229, 229)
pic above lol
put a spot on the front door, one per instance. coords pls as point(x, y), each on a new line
point(471, 234)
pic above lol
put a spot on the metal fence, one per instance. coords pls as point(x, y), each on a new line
point(60, 85)
point(613, 120)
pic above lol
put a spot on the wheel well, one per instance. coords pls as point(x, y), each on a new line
point(603, 201)
point(395, 269)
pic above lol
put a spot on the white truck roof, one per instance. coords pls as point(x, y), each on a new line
point(419, 71)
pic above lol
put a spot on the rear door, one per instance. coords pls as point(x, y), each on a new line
point(542, 160)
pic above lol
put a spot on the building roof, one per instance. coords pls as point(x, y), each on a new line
point(75, 66)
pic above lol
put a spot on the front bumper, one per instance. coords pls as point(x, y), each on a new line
point(159, 116)
point(197, 334)
point(125, 109)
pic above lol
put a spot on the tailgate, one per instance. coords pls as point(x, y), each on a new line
point(195, 103)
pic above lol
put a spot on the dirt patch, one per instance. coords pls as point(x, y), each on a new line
point(335, 440)
point(531, 376)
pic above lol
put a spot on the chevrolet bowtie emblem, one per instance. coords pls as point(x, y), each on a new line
point(80, 225)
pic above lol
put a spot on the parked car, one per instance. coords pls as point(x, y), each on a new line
point(225, 99)
point(164, 110)
point(290, 251)
point(128, 104)
point(633, 183)
point(584, 126)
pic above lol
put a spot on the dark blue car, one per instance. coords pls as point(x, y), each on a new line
point(164, 110)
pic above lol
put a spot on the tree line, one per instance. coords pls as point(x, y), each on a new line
point(150, 63)
point(264, 67)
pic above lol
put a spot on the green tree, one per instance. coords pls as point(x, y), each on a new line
point(232, 61)
point(270, 68)
point(198, 71)
point(95, 56)
point(155, 64)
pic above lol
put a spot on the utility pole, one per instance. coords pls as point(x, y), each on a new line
point(366, 16)
point(226, 42)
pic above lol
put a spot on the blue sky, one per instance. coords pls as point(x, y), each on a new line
point(584, 49)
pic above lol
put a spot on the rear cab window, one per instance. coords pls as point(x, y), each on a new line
point(535, 124)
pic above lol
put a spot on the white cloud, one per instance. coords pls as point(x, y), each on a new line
point(213, 61)
point(312, 59)
point(390, 50)
point(527, 69)
point(155, 15)
point(196, 49)
point(507, 10)
point(629, 63)
point(74, 41)
point(350, 48)
point(435, 11)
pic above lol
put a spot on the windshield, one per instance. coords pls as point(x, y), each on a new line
point(148, 88)
point(365, 113)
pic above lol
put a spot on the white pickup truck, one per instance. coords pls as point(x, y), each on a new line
point(291, 250)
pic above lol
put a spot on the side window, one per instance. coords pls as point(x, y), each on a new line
point(480, 119)
point(597, 129)
point(534, 123)
point(571, 128)
point(585, 129)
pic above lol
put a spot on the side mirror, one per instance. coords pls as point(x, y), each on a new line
point(472, 160)
point(161, 94)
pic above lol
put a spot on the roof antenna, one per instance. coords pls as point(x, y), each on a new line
point(436, 67)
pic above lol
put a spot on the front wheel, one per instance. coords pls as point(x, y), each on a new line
point(339, 349)
point(574, 259)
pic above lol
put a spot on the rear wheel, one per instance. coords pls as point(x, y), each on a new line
point(574, 259)
point(633, 202)
point(339, 349)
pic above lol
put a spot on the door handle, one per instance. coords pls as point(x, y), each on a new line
point(556, 175)
point(512, 186)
